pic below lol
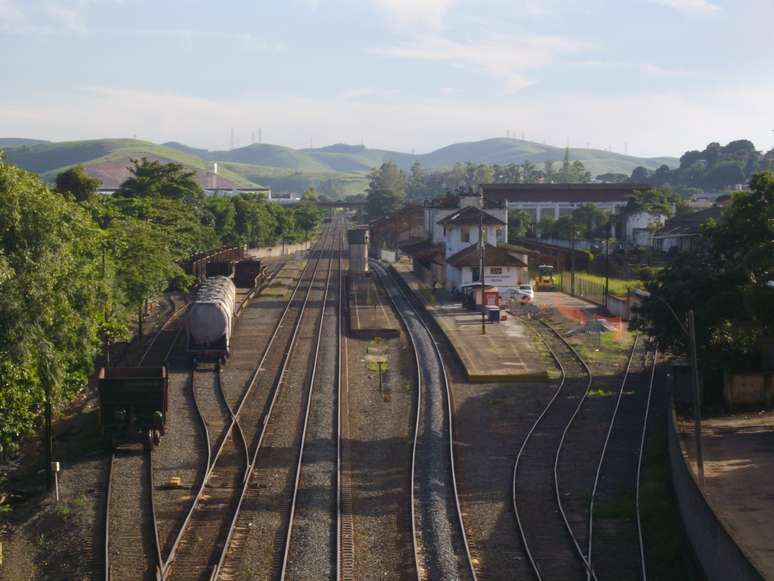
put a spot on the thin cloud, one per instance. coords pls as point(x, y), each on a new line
point(415, 13)
point(690, 6)
point(498, 55)
point(402, 123)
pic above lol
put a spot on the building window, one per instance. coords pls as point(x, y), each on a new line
point(476, 274)
point(465, 234)
point(496, 270)
point(499, 234)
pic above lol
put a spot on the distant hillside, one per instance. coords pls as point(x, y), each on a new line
point(337, 169)
point(348, 158)
point(107, 159)
point(12, 141)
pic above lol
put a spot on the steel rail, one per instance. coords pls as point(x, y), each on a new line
point(557, 455)
point(265, 422)
point(520, 454)
point(157, 544)
point(339, 432)
point(525, 443)
point(643, 563)
point(213, 460)
point(412, 498)
point(603, 454)
point(450, 416)
point(175, 314)
point(310, 393)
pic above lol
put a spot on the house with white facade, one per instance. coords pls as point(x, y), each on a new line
point(455, 229)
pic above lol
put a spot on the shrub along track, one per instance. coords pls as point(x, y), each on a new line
point(441, 547)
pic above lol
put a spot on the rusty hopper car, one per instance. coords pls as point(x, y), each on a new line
point(133, 404)
point(248, 273)
point(220, 269)
point(210, 319)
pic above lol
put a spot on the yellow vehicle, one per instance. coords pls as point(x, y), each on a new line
point(545, 279)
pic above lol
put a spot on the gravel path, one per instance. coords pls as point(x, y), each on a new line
point(440, 542)
point(378, 447)
point(132, 552)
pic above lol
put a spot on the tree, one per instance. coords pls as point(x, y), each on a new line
point(519, 222)
point(613, 178)
point(381, 202)
point(417, 188)
point(387, 177)
point(50, 298)
point(590, 219)
point(75, 181)
point(151, 178)
point(723, 280)
point(546, 225)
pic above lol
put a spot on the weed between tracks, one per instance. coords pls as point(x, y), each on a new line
point(665, 547)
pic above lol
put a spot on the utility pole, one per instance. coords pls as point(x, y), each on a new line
point(49, 437)
point(481, 262)
point(696, 398)
point(607, 262)
point(572, 254)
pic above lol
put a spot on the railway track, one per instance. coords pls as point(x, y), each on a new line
point(619, 552)
point(256, 544)
point(230, 460)
point(132, 548)
point(556, 528)
point(311, 544)
point(441, 548)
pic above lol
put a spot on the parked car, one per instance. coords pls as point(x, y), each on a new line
point(525, 293)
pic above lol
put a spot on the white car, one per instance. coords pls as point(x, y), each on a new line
point(525, 293)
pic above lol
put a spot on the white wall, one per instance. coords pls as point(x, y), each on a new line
point(637, 227)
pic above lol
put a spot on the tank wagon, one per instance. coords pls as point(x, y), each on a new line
point(210, 318)
point(133, 404)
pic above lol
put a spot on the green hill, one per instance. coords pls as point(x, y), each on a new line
point(503, 151)
point(337, 169)
point(14, 141)
point(107, 159)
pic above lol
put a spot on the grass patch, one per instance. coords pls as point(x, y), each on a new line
point(599, 393)
point(619, 507)
point(428, 296)
point(616, 286)
point(665, 547)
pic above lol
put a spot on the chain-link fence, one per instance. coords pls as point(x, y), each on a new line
point(592, 291)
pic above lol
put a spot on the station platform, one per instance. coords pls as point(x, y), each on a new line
point(738, 463)
point(505, 354)
point(368, 317)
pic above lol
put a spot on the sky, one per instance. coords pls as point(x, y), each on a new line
point(651, 77)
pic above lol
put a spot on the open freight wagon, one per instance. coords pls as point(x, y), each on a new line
point(133, 404)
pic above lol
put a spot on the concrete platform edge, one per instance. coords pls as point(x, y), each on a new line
point(476, 377)
point(714, 548)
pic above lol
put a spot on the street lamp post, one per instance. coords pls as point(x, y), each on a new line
point(481, 263)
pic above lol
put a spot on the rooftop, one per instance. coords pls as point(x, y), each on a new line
point(493, 256)
point(470, 215)
point(688, 224)
point(561, 192)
